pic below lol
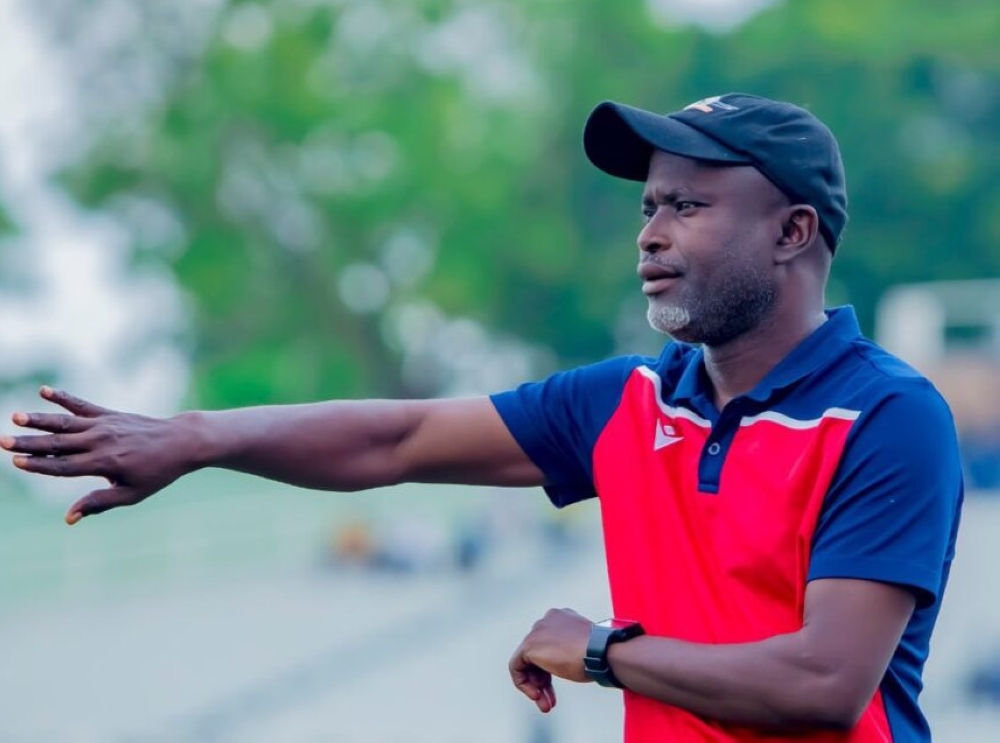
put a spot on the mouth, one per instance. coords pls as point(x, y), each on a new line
point(657, 278)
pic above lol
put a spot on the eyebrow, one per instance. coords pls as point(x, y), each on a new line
point(669, 197)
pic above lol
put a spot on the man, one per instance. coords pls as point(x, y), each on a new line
point(780, 501)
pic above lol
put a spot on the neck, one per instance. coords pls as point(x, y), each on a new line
point(736, 367)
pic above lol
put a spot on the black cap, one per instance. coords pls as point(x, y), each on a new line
point(787, 144)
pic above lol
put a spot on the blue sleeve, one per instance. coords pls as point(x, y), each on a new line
point(891, 513)
point(557, 422)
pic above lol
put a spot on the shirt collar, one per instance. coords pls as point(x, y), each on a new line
point(820, 348)
point(693, 381)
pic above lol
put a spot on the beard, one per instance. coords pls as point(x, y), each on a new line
point(716, 312)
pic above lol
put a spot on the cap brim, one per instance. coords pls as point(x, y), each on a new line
point(620, 140)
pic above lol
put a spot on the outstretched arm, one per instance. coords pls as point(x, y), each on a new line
point(343, 445)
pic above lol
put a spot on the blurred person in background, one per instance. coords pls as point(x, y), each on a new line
point(780, 496)
point(971, 384)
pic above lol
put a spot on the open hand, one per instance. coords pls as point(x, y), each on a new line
point(555, 646)
point(138, 455)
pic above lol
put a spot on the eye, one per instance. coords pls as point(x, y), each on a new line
point(685, 206)
point(648, 212)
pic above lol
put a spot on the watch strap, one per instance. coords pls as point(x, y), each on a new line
point(602, 636)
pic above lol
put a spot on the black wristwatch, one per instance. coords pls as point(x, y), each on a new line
point(602, 636)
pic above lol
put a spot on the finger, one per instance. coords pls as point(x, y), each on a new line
point(72, 403)
point(518, 665)
point(52, 422)
point(520, 674)
point(525, 683)
point(548, 701)
point(73, 465)
point(100, 501)
point(533, 691)
point(546, 698)
point(533, 682)
point(42, 445)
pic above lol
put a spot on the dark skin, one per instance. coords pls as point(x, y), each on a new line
point(692, 210)
point(708, 229)
point(340, 445)
point(824, 675)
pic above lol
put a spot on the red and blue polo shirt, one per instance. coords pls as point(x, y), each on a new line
point(842, 463)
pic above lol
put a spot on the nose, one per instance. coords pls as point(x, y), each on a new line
point(652, 237)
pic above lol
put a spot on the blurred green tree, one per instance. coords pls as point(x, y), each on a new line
point(7, 228)
point(312, 168)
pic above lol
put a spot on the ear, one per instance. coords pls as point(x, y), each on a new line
point(799, 232)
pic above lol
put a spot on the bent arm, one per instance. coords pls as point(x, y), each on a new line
point(822, 676)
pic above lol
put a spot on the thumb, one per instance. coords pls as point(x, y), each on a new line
point(100, 501)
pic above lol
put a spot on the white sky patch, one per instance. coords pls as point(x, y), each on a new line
point(475, 43)
point(718, 15)
point(363, 288)
point(75, 305)
point(248, 27)
point(32, 93)
point(407, 257)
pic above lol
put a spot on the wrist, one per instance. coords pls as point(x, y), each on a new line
point(199, 445)
point(603, 637)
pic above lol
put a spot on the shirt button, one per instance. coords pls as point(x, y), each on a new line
point(714, 448)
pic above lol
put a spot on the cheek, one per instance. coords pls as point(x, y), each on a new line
point(738, 259)
point(759, 232)
point(716, 227)
point(748, 238)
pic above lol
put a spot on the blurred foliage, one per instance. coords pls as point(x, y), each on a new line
point(6, 223)
point(317, 165)
point(9, 278)
point(8, 227)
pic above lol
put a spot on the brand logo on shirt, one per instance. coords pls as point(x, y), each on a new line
point(665, 436)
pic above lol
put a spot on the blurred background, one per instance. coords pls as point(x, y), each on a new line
point(215, 203)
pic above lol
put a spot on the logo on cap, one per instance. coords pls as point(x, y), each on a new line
point(708, 105)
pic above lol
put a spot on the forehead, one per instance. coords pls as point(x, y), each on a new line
point(668, 172)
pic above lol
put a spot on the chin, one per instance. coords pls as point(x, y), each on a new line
point(668, 319)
